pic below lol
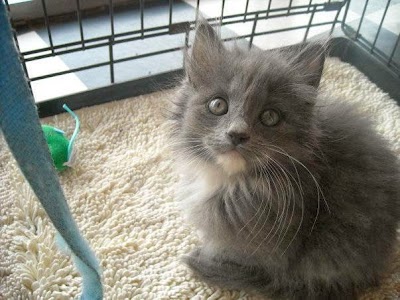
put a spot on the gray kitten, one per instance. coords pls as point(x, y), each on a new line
point(292, 199)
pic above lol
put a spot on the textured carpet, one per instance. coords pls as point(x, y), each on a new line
point(122, 195)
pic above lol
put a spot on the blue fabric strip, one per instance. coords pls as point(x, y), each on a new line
point(20, 124)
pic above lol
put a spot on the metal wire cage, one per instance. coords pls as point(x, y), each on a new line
point(122, 48)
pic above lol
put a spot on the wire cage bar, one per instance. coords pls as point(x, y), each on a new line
point(179, 20)
point(369, 35)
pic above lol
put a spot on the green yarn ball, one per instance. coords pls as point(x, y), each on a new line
point(58, 145)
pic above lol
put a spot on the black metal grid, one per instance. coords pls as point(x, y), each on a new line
point(270, 10)
point(359, 33)
point(171, 28)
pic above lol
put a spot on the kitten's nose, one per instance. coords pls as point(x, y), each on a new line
point(238, 137)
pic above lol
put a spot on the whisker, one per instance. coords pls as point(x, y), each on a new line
point(258, 178)
point(266, 218)
point(319, 190)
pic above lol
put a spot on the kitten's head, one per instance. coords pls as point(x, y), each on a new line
point(238, 110)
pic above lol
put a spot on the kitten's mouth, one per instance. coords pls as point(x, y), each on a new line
point(232, 162)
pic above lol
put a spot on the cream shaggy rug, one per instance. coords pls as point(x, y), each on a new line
point(122, 196)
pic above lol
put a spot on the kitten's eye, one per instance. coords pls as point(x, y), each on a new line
point(270, 117)
point(218, 106)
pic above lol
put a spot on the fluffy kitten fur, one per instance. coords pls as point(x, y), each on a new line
point(305, 209)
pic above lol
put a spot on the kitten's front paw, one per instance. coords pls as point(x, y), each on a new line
point(194, 254)
point(202, 265)
point(193, 259)
point(222, 271)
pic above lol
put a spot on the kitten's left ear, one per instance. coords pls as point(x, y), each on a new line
point(206, 54)
point(206, 42)
point(310, 59)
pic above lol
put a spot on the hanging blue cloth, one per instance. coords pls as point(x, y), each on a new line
point(21, 128)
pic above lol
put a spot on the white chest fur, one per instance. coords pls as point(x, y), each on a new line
point(197, 186)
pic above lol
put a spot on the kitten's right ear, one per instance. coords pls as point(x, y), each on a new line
point(309, 59)
point(206, 53)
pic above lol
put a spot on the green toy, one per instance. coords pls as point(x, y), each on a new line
point(61, 149)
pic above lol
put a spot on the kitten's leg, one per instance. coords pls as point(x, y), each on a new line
point(225, 272)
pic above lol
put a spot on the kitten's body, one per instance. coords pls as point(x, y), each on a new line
point(306, 209)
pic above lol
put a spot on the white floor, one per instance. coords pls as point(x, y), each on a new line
point(54, 86)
